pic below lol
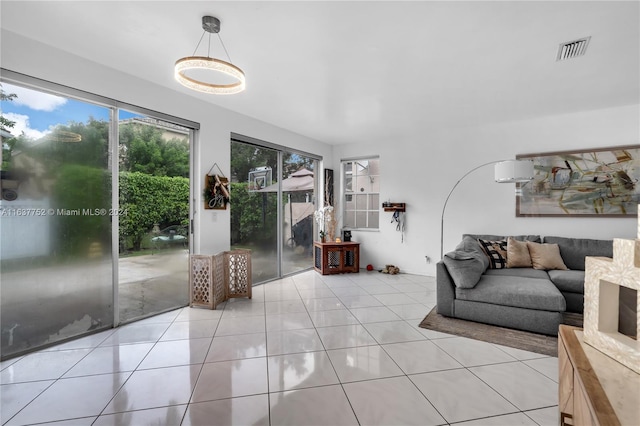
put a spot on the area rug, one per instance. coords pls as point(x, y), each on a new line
point(527, 341)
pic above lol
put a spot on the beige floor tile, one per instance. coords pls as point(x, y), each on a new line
point(301, 407)
point(393, 401)
point(363, 363)
point(155, 388)
point(228, 379)
point(72, 398)
point(301, 370)
point(171, 415)
point(226, 348)
point(247, 410)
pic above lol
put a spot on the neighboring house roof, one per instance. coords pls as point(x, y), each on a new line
point(302, 180)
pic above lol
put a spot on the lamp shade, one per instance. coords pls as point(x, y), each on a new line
point(511, 171)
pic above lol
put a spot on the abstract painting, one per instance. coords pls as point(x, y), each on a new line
point(588, 183)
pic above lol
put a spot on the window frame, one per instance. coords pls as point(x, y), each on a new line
point(347, 180)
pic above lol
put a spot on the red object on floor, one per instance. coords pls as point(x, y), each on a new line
point(369, 267)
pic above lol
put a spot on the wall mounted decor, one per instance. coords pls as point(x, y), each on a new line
point(328, 187)
point(216, 190)
point(586, 183)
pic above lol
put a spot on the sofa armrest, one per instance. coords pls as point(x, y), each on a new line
point(445, 290)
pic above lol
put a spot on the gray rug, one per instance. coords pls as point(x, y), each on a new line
point(532, 342)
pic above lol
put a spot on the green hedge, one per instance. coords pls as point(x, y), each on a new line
point(253, 216)
point(79, 193)
point(146, 200)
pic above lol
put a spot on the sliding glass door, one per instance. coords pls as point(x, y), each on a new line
point(299, 204)
point(94, 214)
point(55, 226)
point(254, 207)
point(153, 263)
point(273, 193)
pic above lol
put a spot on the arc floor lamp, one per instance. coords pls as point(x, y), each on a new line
point(506, 171)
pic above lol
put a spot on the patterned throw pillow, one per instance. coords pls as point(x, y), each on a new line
point(496, 251)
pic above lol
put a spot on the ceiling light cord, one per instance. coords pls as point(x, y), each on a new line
point(200, 41)
point(224, 47)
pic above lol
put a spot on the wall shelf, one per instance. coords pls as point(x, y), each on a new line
point(394, 207)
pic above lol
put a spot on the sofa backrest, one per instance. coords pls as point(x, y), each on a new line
point(532, 238)
point(574, 250)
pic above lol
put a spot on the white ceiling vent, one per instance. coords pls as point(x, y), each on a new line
point(573, 49)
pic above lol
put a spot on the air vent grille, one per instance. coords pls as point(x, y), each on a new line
point(573, 49)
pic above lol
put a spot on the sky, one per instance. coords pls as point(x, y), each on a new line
point(37, 113)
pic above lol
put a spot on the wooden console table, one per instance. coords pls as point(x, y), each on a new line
point(593, 388)
point(336, 258)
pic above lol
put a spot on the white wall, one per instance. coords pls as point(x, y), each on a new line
point(35, 59)
point(422, 171)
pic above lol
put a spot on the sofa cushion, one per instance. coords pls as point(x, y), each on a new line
point(568, 281)
point(517, 254)
point(546, 256)
point(465, 267)
point(496, 252)
point(529, 293)
point(574, 250)
point(471, 244)
point(519, 272)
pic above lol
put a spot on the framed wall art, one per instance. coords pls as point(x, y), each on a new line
point(216, 190)
point(583, 183)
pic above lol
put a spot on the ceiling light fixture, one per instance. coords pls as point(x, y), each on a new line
point(65, 136)
point(210, 25)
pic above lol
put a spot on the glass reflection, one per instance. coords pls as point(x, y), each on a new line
point(55, 252)
point(254, 211)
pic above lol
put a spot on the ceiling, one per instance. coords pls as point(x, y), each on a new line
point(359, 71)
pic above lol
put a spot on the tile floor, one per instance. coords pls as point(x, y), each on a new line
point(306, 350)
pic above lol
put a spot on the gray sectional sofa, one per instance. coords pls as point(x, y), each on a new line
point(516, 297)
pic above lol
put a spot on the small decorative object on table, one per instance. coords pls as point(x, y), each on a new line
point(326, 220)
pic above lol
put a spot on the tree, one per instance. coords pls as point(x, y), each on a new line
point(253, 216)
point(92, 149)
point(245, 157)
point(6, 125)
point(143, 149)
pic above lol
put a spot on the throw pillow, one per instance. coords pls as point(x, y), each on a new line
point(517, 254)
point(465, 268)
point(496, 251)
point(469, 244)
point(546, 256)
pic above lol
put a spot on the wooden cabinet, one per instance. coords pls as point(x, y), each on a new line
point(594, 389)
point(336, 258)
